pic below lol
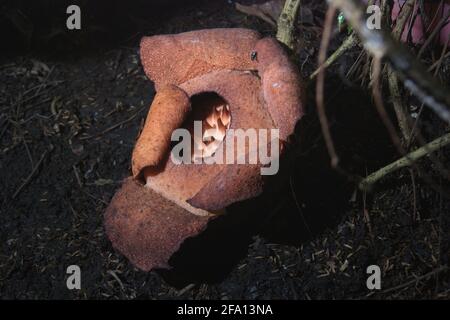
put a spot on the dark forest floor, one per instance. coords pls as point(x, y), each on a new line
point(75, 117)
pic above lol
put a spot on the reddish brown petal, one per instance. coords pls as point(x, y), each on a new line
point(174, 59)
point(280, 86)
point(182, 181)
point(241, 90)
point(148, 228)
point(168, 111)
point(234, 183)
point(148, 224)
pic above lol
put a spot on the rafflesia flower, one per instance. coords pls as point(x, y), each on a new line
point(225, 79)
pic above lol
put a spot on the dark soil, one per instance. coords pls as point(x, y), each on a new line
point(70, 113)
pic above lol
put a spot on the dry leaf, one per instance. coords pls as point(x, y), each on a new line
point(268, 11)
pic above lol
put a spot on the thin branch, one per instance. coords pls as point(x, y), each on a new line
point(320, 86)
point(405, 161)
point(381, 44)
point(415, 281)
point(299, 208)
point(399, 108)
point(378, 99)
point(117, 125)
point(433, 34)
point(347, 44)
point(402, 18)
point(28, 179)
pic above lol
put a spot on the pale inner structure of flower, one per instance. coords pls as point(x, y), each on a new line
point(215, 116)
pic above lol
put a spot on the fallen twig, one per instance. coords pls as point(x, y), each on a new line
point(114, 275)
point(254, 10)
point(425, 276)
point(405, 161)
point(112, 127)
point(186, 289)
point(299, 208)
point(77, 176)
point(30, 176)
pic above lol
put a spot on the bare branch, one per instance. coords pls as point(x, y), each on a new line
point(381, 44)
point(405, 161)
point(320, 86)
point(347, 44)
point(399, 107)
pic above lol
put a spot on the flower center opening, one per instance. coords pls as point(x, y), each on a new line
point(214, 113)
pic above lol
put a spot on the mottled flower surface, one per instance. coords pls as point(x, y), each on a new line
point(229, 79)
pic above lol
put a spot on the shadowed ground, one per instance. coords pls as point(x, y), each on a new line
point(68, 124)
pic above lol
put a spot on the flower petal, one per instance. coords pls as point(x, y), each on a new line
point(174, 59)
point(281, 86)
point(167, 113)
point(148, 228)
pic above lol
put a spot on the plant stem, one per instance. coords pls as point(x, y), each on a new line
point(347, 44)
point(405, 161)
point(286, 21)
point(380, 43)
